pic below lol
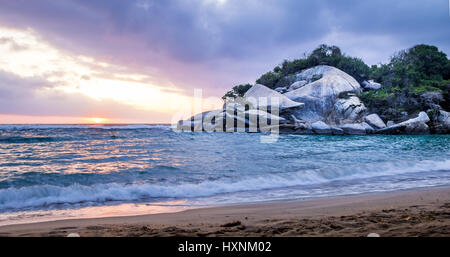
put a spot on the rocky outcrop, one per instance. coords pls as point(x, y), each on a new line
point(280, 90)
point(319, 127)
point(375, 121)
point(412, 126)
point(444, 121)
point(320, 96)
point(320, 100)
point(368, 128)
point(347, 110)
point(303, 128)
point(432, 100)
point(371, 85)
point(354, 129)
point(258, 91)
point(324, 71)
point(440, 121)
point(337, 131)
point(195, 123)
point(297, 85)
point(298, 128)
point(230, 121)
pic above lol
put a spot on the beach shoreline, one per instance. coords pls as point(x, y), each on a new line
point(422, 212)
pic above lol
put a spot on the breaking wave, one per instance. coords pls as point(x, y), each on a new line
point(47, 195)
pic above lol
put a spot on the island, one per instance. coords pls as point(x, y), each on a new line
point(328, 92)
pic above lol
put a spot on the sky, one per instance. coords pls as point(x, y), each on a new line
point(140, 61)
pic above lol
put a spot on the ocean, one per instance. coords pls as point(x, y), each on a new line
point(63, 171)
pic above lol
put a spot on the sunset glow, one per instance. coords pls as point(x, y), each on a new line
point(98, 120)
point(26, 55)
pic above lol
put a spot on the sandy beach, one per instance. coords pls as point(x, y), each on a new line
point(423, 213)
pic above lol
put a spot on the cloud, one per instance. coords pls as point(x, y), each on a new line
point(194, 31)
point(31, 96)
point(13, 45)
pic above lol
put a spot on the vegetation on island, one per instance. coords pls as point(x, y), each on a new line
point(415, 79)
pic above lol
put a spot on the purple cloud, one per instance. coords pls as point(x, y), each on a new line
point(214, 46)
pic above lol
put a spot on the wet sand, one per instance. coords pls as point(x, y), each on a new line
point(423, 213)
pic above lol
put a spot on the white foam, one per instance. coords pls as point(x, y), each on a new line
point(44, 195)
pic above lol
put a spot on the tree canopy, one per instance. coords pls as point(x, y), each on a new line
point(409, 74)
point(407, 81)
point(323, 55)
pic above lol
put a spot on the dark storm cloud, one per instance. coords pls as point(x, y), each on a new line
point(189, 31)
point(194, 30)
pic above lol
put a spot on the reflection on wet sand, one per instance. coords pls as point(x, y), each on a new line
point(123, 209)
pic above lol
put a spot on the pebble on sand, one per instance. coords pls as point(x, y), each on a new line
point(373, 235)
point(73, 235)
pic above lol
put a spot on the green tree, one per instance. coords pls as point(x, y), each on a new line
point(406, 80)
point(237, 91)
point(323, 55)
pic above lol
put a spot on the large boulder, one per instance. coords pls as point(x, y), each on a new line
point(412, 126)
point(263, 117)
point(375, 121)
point(320, 95)
point(297, 85)
point(444, 121)
point(324, 71)
point(347, 110)
point(371, 85)
point(251, 120)
point(368, 128)
point(196, 122)
point(281, 90)
point(287, 128)
point(237, 122)
point(337, 131)
point(440, 121)
point(231, 120)
point(432, 100)
point(320, 127)
point(298, 128)
point(304, 128)
point(422, 117)
point(258, 91)
point(354, 129)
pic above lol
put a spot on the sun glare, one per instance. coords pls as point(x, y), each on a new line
point(98, 120)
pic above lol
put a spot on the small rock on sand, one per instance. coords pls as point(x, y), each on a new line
point(73, 235)
point(373, 235)
point(231, 224)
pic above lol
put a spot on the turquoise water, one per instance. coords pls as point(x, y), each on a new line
point(75, 166)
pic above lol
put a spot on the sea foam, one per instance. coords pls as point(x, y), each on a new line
point(47, 195)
